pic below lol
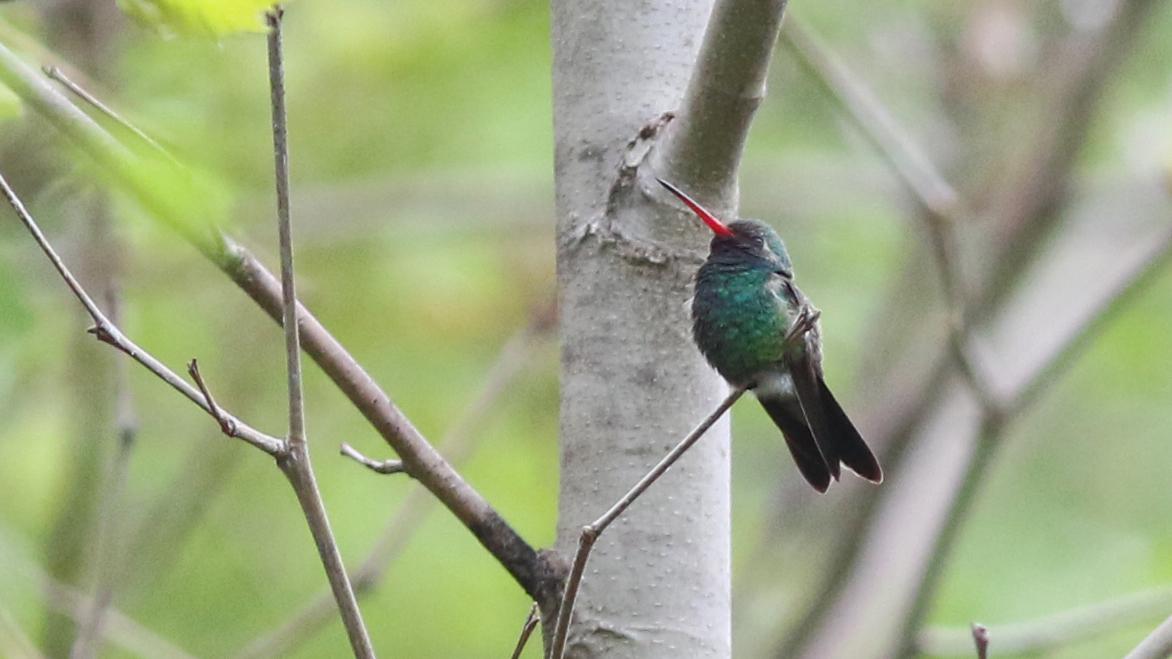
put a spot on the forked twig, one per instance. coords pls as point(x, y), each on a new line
point(291, 454)
point(531, 621)
point(458, 445)
point(107, 332)
point(295, 463)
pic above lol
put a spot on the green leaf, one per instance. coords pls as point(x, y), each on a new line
point(199, 18)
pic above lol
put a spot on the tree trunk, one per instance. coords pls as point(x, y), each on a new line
point(633, 384)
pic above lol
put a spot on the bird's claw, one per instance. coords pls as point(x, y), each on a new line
point(805, 322)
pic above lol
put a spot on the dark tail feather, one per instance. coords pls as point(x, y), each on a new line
point(847, 444)
point(808, 386)
point(788, 417)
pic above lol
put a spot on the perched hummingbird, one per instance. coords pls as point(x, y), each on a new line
point(759, 331)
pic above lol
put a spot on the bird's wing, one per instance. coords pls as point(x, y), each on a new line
point(846, 441)
point(789, 419)
point(806, 383)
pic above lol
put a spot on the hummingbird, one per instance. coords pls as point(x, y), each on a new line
point(759, 331)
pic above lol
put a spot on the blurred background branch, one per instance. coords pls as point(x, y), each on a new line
point(1155, 645)
point(1052, 631)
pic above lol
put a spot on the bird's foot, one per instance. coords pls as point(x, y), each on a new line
point(805, 322)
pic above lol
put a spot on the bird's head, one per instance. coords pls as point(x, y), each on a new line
point(744, 241)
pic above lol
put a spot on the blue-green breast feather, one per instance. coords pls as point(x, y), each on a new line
point(739, 320)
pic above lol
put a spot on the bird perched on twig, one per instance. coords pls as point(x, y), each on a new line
point(759, 331)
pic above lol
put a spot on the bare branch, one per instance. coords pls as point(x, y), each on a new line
point(591, 531)
point(704, 144)
point(458, 445)
point(522, 561)
point(227, 425)
point(55, 73)
point(420, 458)
point(377, 466)
point(295, 462)
point(285, 230)
point(109, 333)
point(1157, 645)
point(1053, 631)
point(531, 621)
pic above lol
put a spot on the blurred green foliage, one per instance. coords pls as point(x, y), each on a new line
point(202, 18)
point(418, 106)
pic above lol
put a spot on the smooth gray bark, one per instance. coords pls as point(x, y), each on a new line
point(633, 384)
point(657, 584)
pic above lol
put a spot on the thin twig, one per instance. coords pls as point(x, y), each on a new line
point(1051, 632)
point(227, 426)
point(980, 635)
point(1157, 645)
point(537, 576)
point(531, 621)
point(296, 463)
point(55, 73)
point(305, 488)
point(285, 229)
point(458, 444)
point(377, 466)
point(109, 333)
point(591, 531)
point(805, 321)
